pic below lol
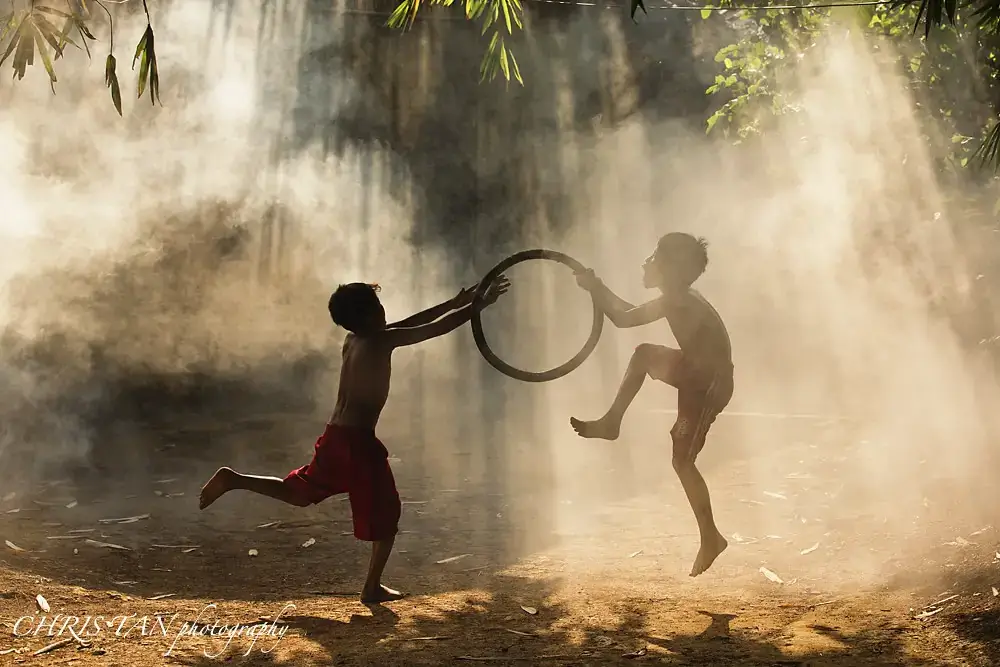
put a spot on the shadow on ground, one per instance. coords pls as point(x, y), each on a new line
point(489, 626)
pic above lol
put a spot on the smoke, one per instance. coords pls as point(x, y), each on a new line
point(194, 246)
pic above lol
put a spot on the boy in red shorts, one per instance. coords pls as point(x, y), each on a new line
point(701, 370)
point(348, 457)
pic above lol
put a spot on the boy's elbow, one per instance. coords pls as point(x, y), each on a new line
point(620, 320)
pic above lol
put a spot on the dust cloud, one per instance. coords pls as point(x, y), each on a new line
point(173, 267)
point(134, 253)
point(860, 420)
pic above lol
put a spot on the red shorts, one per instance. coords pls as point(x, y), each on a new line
point(352, 461)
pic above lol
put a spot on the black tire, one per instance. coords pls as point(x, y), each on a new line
point(501, 365)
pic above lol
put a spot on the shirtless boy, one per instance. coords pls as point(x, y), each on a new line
point(348, 457)
point(701, 370)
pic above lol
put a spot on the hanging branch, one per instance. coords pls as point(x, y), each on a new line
point(147, 66)
point(110, 76)
point(498, 57)
point(31, 30)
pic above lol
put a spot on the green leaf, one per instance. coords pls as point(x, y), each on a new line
point(141, 46)
point(148, 73)
point(504, 65)
point(15, 37)
point(713, 119)
point(111, 80)
point(517, 70)
point(705, 13)
point(52, 11)
point(83, 38)
point(48, 32)
point(397, 19)
point(517, 12)
point(46, 60)
point(143, 72)
point(24, 54)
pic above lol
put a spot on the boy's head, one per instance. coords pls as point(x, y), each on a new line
point(356, 307)
point(679, 259)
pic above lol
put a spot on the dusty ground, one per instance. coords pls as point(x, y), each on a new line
point(608, 586)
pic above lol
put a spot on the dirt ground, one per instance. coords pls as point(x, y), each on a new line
point(596, 591)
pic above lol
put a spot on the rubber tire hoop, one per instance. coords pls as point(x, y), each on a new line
point(502, 366)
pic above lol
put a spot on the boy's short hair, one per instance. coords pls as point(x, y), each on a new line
point(351, 304)
point(691, 250)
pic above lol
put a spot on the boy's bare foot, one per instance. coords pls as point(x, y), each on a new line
point(382, 594)
point(220, 483)
point(604, 428)
point(708, 553)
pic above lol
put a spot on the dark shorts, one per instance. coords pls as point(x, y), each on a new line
point(701, 396)
point(355, 462)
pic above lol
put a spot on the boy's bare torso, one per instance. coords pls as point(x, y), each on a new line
point(365, 371)
point(700, 332)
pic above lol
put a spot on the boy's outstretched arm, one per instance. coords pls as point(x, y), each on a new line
point(460, 300)
point(425, 316)
point(399, 336)
point(622, 314)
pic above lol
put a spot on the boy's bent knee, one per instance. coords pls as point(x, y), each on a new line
point(684, 453)
point(645, 355)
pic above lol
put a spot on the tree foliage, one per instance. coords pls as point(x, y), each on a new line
point(748, 83)
point(48, 27)
point(944, 46)
point(499, 18)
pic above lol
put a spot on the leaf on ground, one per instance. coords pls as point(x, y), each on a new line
point(107, 545)
point(53, 646)
point(42, 603)
point(518, 632)
point(452, 559)
point(12, 546)
point(175, 546)
point(808, 551)
point(529, 610)
point(937, 603)
point(125, 519)
point(771, 576)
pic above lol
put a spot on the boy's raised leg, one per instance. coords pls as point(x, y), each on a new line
point(226, 479)
point(609, 426)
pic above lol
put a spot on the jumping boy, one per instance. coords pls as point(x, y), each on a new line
point(701, 370)
point(348, 457)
